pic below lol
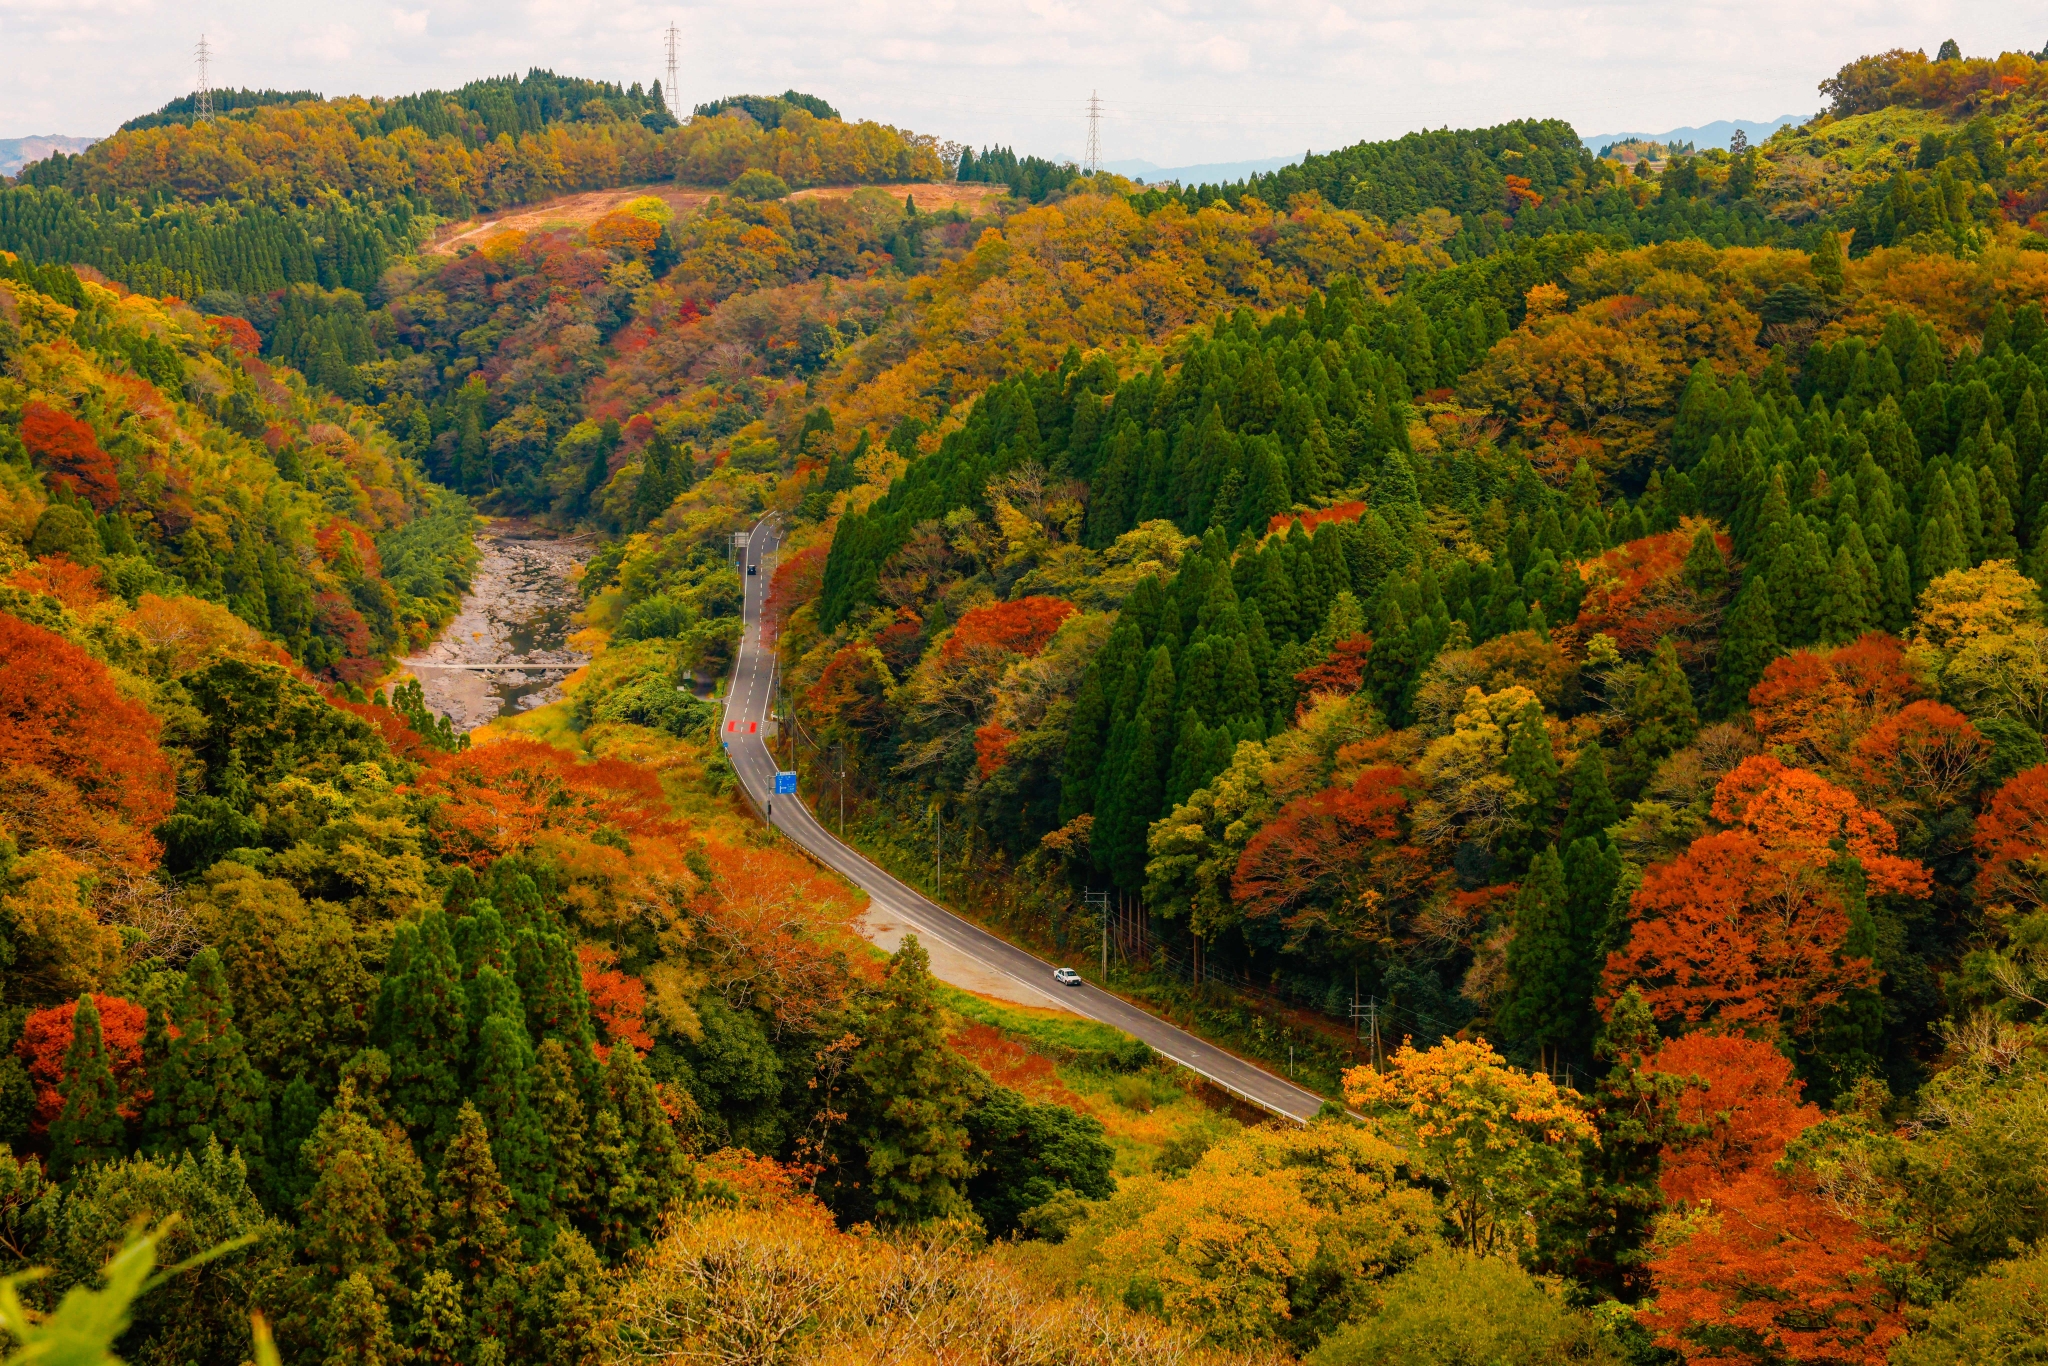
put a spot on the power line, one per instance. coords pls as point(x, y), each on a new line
point(202, 99)
point(674, 101)
point(1092, 163)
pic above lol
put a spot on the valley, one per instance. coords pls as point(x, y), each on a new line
point(1513, 677)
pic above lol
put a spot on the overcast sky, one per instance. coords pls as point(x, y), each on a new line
point(1182, 81)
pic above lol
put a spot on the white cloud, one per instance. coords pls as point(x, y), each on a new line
point(1185, 80)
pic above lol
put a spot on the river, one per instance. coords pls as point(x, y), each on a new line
point(507, 650)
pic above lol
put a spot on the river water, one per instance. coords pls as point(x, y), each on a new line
point(507, 650)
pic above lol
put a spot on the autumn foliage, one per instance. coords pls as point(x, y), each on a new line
point(1335, 855)
point(504, 798)
point(1636, 596)
point(69, 450)
point(2011, 840)
point(46, 1035)
point(618, 1000)
point(1767, 1267)
point(79, 765)
point(1818, 704)
point(1733, 931)
point(1021, 627)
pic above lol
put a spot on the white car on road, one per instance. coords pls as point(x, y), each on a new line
point(1066, 977)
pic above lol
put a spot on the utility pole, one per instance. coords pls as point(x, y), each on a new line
point(675, 105)
point(1101, 899)
point(1093, 161)
point(202, 98)
point(842, 789)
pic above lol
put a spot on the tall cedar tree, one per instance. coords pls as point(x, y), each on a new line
point(419, 1023)
point(1598, 1234)
point(357, 1330)
point(89, 1129)
point(1542, 972)
point(368, 1212)
point(1532, 767)
point(473, 1231)
point(1592, 807)
point(1661, 715)
point(913, 1131)
point(207, 1088)
point(1749, 643)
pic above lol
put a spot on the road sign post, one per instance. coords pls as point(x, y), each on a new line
point(785, 784)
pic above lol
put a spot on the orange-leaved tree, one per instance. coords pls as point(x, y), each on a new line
point(1734, 932)
point(1738, 1112)
point(1763, 1268)
point(80, 769)
point(1334, 862)
point(2012, 844)
point(1637, 594)
point(1021, 627)
point(1504, 1142)
point(1817, 705)
point(70, 451)
point(777, 930)
point(1771, 1273)
point(46, 1037)
point(1803, 817)
point(1928, 755)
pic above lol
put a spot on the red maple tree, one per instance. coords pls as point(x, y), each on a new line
point(46, 1035)
point(1021, 627)
point(618, 1000)
point(1334, 860)
point(1735, 932)
point(2012, 844)
point(70, 451)
point(80, 769)
point(1818, 705)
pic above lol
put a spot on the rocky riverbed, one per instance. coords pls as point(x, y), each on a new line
point(508, 648)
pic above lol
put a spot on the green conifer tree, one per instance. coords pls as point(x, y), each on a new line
point(1541, 969)
point(368, 1213)
point(208, 1090)
point(473, 1230)
point(1896, 594)
point(420, 1023)
point(89, 1128)
point(1706, 571)
point(1601, 1230)
point(661, 1175)
point(1829, 265)
point(501, 1087)
point(558, 1106)
point(1841, 614)
point(440, 1330)
point(1592, 807)
point(1748, 644)
point(1661, 715)
point(912, 1128)
point(1532, 767)
point(356, 1328)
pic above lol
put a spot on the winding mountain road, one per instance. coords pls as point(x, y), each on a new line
point(748, 705)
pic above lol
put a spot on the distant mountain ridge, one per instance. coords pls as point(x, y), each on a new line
point(1715, 134)
point(1209, 173)
point(16, 153)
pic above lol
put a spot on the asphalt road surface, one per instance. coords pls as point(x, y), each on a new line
point(749, 703)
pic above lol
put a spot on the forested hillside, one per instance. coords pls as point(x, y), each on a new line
point(1548, 652)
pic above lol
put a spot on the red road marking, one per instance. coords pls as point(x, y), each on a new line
point(753, 726)
point(732, 725)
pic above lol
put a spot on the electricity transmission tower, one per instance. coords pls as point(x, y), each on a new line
point(1093, 161)
point(202, 99)
point(670, 41)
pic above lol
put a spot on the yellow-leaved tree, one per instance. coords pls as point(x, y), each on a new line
point(1503, 1140)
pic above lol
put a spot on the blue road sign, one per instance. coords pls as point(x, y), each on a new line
point(785, 784)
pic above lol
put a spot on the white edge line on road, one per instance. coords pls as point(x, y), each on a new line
point(941, 933)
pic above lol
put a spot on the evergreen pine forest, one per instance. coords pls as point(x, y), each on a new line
point(1552, 655)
